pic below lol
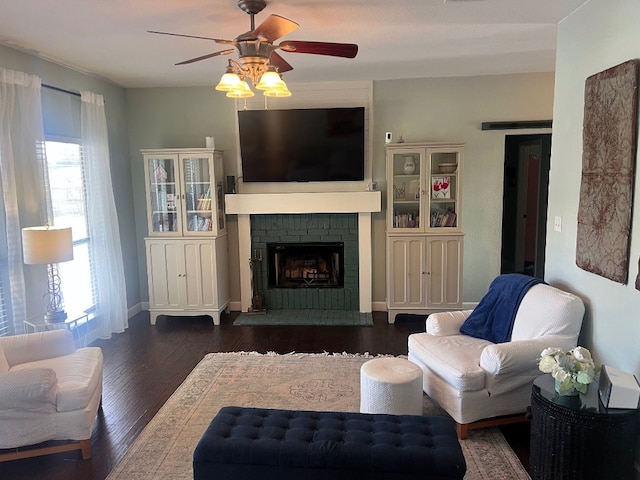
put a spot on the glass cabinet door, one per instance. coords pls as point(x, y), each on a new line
point(443, 187)
point(163, 194)
point(406, 189)
point(196, 175)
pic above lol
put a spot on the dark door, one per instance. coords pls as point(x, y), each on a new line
point(524, 205)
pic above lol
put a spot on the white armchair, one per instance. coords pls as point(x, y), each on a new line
point(49, 390)
point(480, 383)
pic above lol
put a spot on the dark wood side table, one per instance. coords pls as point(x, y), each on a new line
point(577, 438)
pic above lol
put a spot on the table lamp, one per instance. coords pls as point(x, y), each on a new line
point(49, 245)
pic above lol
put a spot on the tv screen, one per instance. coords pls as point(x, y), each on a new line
point(302, 145)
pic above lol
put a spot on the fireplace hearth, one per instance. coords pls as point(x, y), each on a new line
point(306, 265)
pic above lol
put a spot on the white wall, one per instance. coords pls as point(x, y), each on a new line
point(597, 36)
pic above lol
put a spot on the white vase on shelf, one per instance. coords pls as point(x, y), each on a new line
point(409, 166)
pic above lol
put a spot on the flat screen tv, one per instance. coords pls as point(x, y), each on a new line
point(302, 145)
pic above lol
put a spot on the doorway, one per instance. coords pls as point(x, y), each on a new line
point(524, 206)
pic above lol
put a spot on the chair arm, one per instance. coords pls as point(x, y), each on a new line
point(519, 357)
point(29, 389)
point(32, 347)
point(443, 324)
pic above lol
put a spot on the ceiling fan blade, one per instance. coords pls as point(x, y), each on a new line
point(275, 27)
point(217, 40)
point(280, 63)
point(204, 57)
point(347, 50)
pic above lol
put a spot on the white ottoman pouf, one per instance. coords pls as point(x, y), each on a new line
point(391, 385)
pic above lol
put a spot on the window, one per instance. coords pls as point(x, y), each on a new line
point(68, 198)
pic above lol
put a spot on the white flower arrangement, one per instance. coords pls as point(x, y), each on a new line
point(572, 370)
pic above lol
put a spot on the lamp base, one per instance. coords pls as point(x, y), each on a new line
point(55, 317)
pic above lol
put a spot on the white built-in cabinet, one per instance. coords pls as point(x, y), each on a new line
point(186, 250)
point(424, 235)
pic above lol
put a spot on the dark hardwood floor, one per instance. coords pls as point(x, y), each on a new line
point(145, 365)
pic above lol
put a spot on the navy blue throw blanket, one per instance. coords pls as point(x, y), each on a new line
point(494, 316)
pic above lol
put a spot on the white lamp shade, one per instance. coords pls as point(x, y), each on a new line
point(44, 245)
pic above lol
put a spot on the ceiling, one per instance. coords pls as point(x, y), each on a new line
point(397, 39)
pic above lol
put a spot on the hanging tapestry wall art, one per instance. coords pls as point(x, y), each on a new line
point(608, 164)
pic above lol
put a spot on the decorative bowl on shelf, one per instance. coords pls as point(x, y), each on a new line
point(447, 167)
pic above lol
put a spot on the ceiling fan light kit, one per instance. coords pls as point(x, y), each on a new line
point(257, 59)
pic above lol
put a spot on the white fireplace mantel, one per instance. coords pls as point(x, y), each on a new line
point(335, 202)
point(362, 203)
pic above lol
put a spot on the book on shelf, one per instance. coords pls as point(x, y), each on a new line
point(443, 218)
point(406, 220)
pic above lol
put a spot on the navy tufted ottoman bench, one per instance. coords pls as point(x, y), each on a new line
point(257, 443)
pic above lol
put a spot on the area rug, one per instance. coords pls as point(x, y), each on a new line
point(328, 382)
point(307, 317)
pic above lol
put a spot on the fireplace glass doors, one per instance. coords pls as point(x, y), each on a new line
point(306, 265)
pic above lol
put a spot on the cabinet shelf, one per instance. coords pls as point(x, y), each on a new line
point(452, 175)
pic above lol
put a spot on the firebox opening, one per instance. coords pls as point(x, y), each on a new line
point(306, 265)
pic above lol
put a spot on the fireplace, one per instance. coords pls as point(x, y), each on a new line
point(259, 215)
point(310, 261)
point(306, 265)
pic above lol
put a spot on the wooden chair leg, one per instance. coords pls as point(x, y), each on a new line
point(85, 448)
point(462, 430)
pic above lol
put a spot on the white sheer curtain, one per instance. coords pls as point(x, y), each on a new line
point(104, 233)
point(22, 168)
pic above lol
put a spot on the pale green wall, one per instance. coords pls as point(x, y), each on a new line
point(445, 109)
point(598, 36)
point(179, 118)
point(452, 110)
point(441, 109)
point(58, 76)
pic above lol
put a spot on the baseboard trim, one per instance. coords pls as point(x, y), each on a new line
point(132, 311)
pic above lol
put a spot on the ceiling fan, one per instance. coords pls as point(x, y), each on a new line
point(258, 59)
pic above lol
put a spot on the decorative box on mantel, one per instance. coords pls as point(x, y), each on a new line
point(362, 203)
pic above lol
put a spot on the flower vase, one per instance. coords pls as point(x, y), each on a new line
point(566, 393)
point(569, 401)
point(409, 166)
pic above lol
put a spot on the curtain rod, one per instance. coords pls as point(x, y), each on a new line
point(61, 90)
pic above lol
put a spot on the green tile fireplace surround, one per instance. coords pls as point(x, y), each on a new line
point(301, 228)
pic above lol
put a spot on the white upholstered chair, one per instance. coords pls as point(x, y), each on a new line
point(480, 383)
point(49, 390)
